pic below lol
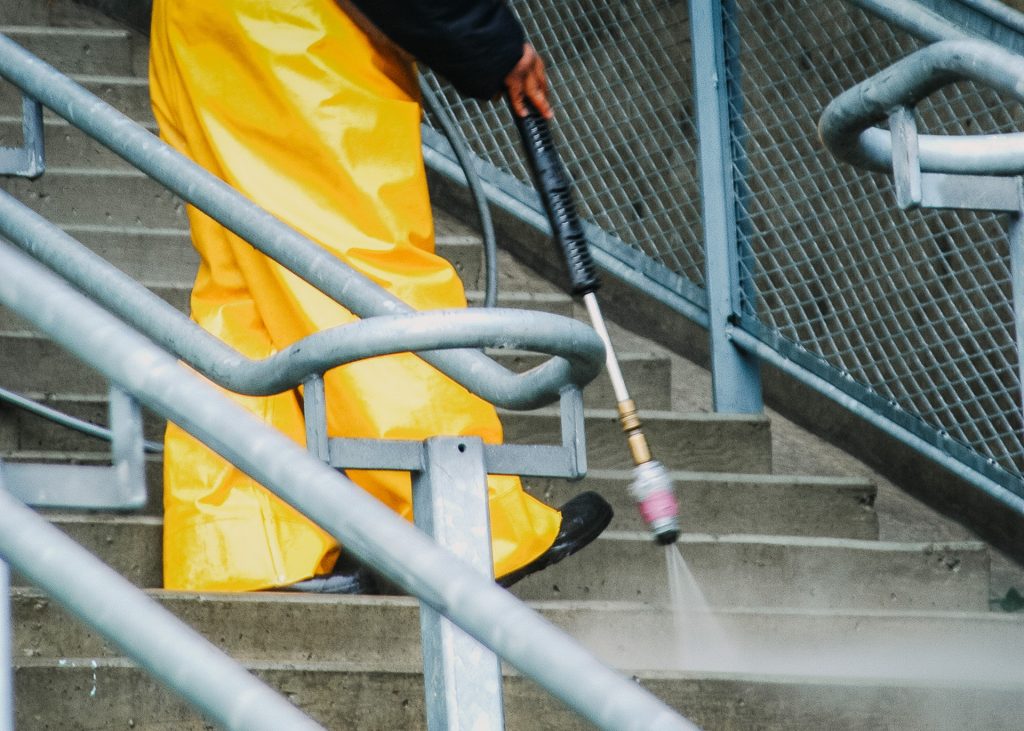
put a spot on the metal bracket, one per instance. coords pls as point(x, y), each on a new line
point(27, 161)
point(530, 460)
point(970, 192)
point(906, 160)
point(119, 486)
point(1016, 240)
point(314, 409)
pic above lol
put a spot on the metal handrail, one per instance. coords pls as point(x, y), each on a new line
point(846, 124)
point(360, 295)
point(373, 533)
point(577, 347)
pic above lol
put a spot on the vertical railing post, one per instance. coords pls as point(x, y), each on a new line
point(1017, 286)
point(462, 677)
point(6, 651)
point(26, 161)
point(127, 446)
point(736, 379)
point(314, 407)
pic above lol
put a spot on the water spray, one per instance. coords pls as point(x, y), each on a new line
point(651, 487)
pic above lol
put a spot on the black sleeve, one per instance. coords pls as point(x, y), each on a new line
point(472, 43)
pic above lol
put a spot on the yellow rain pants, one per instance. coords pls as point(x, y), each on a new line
point(296, 107)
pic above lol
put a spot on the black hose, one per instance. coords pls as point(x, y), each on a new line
point(476, 190)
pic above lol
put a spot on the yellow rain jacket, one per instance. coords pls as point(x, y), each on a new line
point(304, 113)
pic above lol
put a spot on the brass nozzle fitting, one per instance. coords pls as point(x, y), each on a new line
point(631, 426)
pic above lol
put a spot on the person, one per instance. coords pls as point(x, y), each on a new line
point(311, 110)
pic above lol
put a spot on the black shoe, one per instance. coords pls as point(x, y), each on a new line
point(346, 577)
point(583, 519)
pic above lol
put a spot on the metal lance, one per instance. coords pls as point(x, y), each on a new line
point(651, 488)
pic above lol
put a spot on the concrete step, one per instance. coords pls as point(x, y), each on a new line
point(339, 695)
point(711, 503)
point(83, 197)
point(57, 13)
point(99, 51)
point(695, 441)
point(384, 632)
point(776, 571)
point(162, 256)
point(704, 442)
point(128, 94)
point(730, 503)
point(53, 371)
point(649, 377)
point(165, 255)
point(733, 571)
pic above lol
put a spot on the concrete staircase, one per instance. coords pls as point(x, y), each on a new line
point(824, 625)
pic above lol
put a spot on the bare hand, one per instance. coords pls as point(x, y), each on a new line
point(527, 80)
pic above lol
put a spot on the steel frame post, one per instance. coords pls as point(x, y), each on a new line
point(1016, 241)
point(128, 451)
point(27, 161)
point(462, 678)
point(314, 407)
point(736, 378)
point(6, 650)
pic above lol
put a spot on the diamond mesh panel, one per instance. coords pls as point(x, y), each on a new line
point(621, 83)
point(913, 308)
point(916, 307)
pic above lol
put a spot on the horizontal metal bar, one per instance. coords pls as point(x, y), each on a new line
point(770, 355)
point(84, 487)
point(938, 20)
point(375, 454)
point(845, 125)
point(529, 460)
point(998, 11)
point(971, 192)
point(366, 527)
point(914, 18)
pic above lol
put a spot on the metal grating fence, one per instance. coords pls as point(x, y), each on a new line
point(909, 312)
point(914, 307)
point(620, 80)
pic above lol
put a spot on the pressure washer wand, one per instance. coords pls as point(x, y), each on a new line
point(651, 488)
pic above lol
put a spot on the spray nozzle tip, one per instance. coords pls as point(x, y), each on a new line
point(666, 537)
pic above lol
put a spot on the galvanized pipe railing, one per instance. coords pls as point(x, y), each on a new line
point(367, 528)
point(578, 350)
point(846, 124)
point(221, 202)
point(974, 172)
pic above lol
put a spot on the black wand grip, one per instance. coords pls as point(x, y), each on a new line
point(553, 184)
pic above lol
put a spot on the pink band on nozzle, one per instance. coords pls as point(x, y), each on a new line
point(658, 505)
